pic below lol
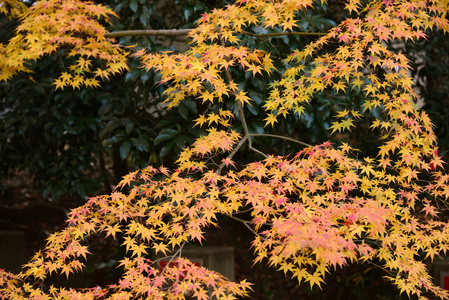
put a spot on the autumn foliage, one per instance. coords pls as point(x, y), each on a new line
point(321, 208)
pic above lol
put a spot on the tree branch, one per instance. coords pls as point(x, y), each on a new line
point(178, 32)
point(282, 33)
point(160, 32)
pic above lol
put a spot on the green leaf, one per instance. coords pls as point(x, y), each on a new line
point(256, 97)
point(144, 77)
point(253, 108)
point(133, 5)
point(183, 111)
point(108, 128)
point(256, 127)
point(164, 135)
point(124, 149)
point(55, 111)
point(153, 158)
point(187, 13)
point(181, 142)
point(196, 132)
point(144, 16)
point(57, 131)
point(165, 149)
point(191, 105)
point(141, 144)
point(106, 108)
point(47, 191)
point(129, 127)
point(91, 123)
point(40, 89)
point(119, 6)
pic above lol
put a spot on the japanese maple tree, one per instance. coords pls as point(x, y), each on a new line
point(321, 208)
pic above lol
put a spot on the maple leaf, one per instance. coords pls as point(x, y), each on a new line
point(201, 294)
point(60, 84)
point(160, 247)
point(436, 162)
point(204, 17)
point(213, 118)
point(242, 97)
point(227, 161)
point(336, 126)
point(280, 200)
point(314, 279)
point(270, 120)
point(200, 121)
point(138, 250)
point(343, 38)
point(429, 209)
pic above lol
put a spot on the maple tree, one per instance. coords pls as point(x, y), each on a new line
point(326, 206)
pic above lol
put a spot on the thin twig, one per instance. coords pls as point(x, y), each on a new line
point(257, 151)
point(380, 267)
point(178, 252)
point(247, 226)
